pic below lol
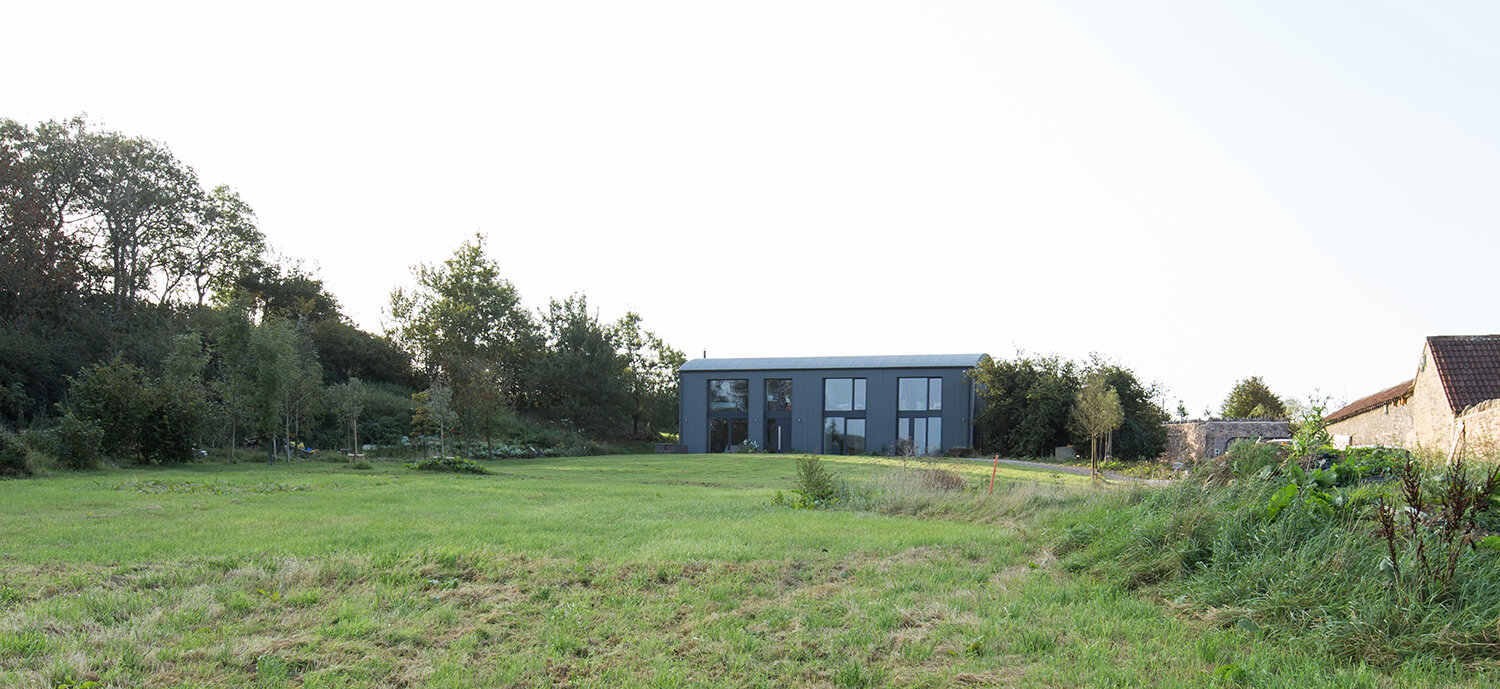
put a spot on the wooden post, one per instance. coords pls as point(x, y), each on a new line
point(992, 474)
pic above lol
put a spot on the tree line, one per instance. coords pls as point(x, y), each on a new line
point(1035, 404)
point(142, 315)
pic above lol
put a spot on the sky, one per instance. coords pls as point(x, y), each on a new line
point(1199, 191)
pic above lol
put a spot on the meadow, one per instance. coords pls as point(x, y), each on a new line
point(619, 571)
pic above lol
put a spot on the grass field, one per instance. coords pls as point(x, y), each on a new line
point(652, 571)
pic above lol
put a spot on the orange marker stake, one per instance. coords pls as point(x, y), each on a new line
point(992, 474)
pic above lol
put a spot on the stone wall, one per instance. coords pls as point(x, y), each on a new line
point(1191, 442)
point(1390, 424)
point(1432, 417)
point(1481, 425)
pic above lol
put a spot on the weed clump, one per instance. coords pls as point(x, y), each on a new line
point(454, 465)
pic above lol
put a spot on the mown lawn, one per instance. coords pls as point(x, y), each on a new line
point(655, 571)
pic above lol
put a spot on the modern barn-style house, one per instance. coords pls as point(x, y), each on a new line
point(922, 404)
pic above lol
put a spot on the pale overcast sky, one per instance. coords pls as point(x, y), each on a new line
point(1201, 191)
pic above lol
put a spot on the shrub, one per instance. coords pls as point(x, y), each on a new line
point(363, 465)
point(43, 440)
point(13, 456)
point(113, 396)
point(172, 422)
point(448, 464)
point(78, 442)
point(816, 485)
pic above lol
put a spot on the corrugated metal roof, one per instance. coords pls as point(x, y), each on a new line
point(813, 362)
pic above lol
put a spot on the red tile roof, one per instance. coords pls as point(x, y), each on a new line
point(1469, 366)
point(1375, 401)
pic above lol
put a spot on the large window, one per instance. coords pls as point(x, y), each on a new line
point(729, 395)
point(843, 394)
point(844, 416)
point(917, 430)
point(778, 395)
point(725, 434)
point(919, 435)
point(919, 394)
point(843, 435)
point(728, 414)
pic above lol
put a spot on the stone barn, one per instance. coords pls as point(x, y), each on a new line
point(1452, 403)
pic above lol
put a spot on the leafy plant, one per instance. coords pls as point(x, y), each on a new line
point(1312, 428)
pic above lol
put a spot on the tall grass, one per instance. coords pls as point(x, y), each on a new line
point(932, 492)
point(1315, 571)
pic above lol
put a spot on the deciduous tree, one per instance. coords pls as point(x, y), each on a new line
point(1251, 398)
point(1096, 413)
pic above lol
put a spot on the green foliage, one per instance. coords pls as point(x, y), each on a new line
point(581, 376)
point(817, 487)
point(1027, 401)
point(650, 376)
point(1287, 548)
point(1312, 428)
point(1252, 399)
point(13, 461)
point(463, 308)
point(79, 442)
point(173, 418)
point(348, 352)
point(150, 419)
point(1026, 404)
point(1096, 413)
point(348, 402)
point(114, 397)
point(448, 464)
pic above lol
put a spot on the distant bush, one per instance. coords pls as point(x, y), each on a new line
point(13, 456)
point(363, 465)
point(78, 442)
point(148, 418)
point(172, 421)
point(448, 464)
point(112, 395)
